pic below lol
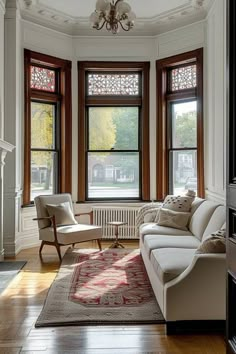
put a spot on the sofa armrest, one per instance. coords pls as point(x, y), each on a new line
point(198, 293)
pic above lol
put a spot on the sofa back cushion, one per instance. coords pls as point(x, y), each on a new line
point(216, 221)
point(195, 204)
point(201, 218)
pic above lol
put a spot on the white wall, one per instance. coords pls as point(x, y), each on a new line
point(13, 103)
point(2, 12)
point(215, 103)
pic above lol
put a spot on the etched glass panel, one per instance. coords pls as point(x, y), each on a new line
point(42, 79)
point(113, 84)
point(184, 78)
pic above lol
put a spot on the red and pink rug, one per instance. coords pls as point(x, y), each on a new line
point(100, 287)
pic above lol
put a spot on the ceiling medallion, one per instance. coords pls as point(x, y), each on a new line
point(112, 14)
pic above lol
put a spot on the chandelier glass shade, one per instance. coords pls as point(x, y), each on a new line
point(112, 15)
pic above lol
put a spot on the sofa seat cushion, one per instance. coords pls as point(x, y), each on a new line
point(71, 233)
point(154, 229)
point(168, 263)
point(152, 242)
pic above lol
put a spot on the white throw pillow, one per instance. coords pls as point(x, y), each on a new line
point(62, 212)
point(214, 243)
point(170, 218)
point(178, 203)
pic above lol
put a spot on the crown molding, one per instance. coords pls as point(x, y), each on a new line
point(191, 11)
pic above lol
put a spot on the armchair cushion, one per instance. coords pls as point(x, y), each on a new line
point(63, 213)
point(69, 234)
point(42, 200)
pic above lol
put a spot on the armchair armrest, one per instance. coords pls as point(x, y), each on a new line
point(53, 219)
point(43, 218)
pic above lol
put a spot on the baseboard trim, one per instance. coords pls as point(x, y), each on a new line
point(199, 326)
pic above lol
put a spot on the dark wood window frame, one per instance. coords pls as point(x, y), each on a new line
point(62, 94)
point(105, 67)
point(163, 66)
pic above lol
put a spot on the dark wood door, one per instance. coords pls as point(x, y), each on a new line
point(231, 176)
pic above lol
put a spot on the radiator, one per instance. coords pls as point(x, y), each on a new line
point(102, 215)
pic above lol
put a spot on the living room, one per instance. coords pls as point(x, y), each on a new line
point(161, 30)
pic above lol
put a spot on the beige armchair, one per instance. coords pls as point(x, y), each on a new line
point(54, 234)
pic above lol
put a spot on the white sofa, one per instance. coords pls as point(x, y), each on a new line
point(190, 288)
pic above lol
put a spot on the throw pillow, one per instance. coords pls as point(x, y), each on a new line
point(178, 203)
point(62, 212)
point(170, 218)
point(150, 215)
point(213, 244)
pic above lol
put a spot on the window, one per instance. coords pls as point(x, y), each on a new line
point(44, 149)
point(113, 131)
point(180, 124)
point(47, 126)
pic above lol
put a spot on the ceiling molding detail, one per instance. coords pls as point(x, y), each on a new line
point(191, 11)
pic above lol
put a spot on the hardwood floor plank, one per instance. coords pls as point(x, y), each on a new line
point(22, 301)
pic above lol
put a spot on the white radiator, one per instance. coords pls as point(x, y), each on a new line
point(102, 215)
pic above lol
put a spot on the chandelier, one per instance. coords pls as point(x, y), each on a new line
point(112, 14)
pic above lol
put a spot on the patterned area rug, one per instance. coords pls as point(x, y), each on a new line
point(100, 287)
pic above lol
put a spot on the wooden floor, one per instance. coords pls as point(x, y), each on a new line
point(22, 301)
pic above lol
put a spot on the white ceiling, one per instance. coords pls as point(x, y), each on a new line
point(142, 8)
point(153, 16)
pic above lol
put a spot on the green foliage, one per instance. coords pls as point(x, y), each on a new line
point(126, 122)
point(186, 130)
point(102, 131)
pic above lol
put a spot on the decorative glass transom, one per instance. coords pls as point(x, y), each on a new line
point(113, 84)
point(183, 78)
point(42, 79)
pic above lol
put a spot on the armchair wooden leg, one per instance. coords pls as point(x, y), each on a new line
point(73, 245)
point(41, 247)
point(58, 251)
point(99, 244)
